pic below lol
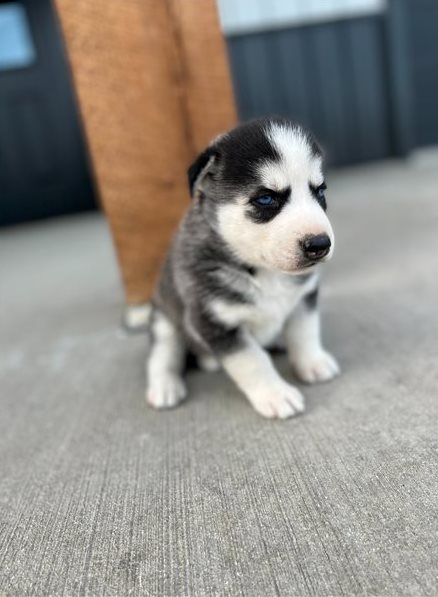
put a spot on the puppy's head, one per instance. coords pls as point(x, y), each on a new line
point(265, 186)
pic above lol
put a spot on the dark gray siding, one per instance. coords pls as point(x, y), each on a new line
point(331, 77)
point(43, 165)
point(422, 22)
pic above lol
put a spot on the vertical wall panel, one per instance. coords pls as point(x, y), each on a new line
point(241, 77)
point(330, 90)
point(257, 55)
point(422, 32)
point(293, 76)
point(368, 107)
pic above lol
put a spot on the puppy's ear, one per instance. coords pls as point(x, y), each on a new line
point(203, 164)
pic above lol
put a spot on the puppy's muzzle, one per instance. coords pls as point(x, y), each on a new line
point(316, 247)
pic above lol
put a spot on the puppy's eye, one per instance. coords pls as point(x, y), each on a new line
point(264, 200)
point(319, 194)
point(320, 190)
point(266, 204)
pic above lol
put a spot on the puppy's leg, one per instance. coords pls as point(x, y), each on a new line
point(309, 360)
point(252, 370)
point(165, 385)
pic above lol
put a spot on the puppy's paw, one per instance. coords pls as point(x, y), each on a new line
point(207, 362)
point(165, 391)
point(279, 401)
point(315, 367)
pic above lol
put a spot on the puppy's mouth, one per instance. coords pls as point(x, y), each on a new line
point(307, 263)
point(297, 265)
point(299, 268)
point(313, 263)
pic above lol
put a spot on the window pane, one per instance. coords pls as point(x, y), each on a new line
point(16, 46)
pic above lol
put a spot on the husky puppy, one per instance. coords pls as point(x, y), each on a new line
point(241, 274)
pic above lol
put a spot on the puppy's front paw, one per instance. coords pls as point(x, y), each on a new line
point(279, 401)
point(165, 391)
point(316, 366)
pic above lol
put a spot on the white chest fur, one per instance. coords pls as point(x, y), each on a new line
point(274, 297)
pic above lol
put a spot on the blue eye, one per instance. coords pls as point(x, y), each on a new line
point(264, 200)
point(320, 196)
point(320, 190)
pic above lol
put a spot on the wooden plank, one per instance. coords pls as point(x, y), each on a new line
point(141, 99)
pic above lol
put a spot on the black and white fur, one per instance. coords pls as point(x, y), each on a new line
point(240, 277)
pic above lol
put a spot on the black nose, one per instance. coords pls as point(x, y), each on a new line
point(316, 247)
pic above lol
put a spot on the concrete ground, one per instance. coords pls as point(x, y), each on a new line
point(101, 496)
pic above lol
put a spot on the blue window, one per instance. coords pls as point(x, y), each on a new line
point(16, 46)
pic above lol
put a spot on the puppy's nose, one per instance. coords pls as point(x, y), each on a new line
point(316, 247)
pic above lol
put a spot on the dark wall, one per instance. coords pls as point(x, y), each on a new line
point(422, 31)
point(330, 77)
point(366, 86)
point(43, 164)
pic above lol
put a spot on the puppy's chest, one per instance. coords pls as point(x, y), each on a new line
point(273, 298)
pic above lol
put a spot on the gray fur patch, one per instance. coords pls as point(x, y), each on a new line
point(311, 299)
